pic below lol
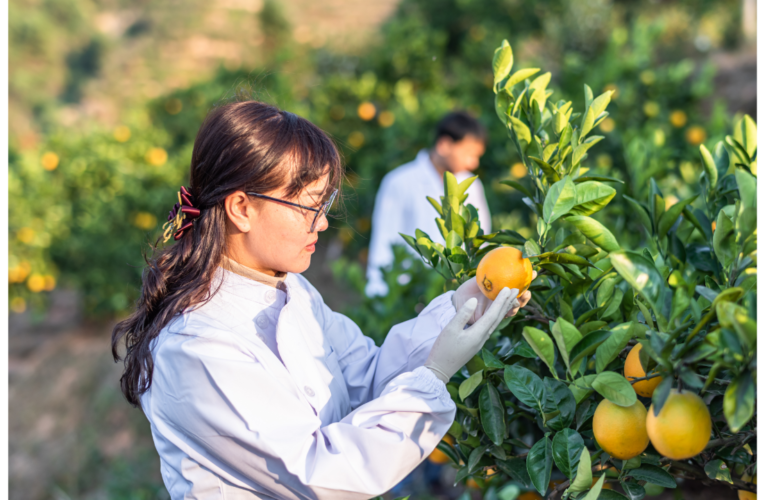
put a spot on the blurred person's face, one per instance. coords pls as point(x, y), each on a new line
point(270, 236)
point(460, 156)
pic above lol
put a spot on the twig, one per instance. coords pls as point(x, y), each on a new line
point(743, 437)
point(701, 476)
point(647, 377)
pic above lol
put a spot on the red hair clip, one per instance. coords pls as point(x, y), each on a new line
point(181, 211)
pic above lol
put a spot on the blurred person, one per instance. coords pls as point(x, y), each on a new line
point(253, 387)
point(401, 205)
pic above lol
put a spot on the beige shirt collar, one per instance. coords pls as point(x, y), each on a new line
point(247, 272)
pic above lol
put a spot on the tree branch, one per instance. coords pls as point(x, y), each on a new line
point(742, 437)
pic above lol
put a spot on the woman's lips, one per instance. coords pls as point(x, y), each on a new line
point(311, 247)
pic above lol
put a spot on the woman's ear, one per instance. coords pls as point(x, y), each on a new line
point(239, 210)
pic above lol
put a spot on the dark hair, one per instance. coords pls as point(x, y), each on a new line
point(457, 125)
point(241, 146)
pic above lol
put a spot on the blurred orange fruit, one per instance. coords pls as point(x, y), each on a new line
point(683, 426)
point(156, 157)
point(530, 495)
point(438, 456)
point(122, 133)
point(49, 161)
point(619, 430)
point(386, 119)
point(366, 111)
point(36, 283)
point(633, 369)
point(695, 135)
point(503, 267)
point(678, 118)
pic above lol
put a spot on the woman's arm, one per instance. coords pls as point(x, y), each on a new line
point(214, 401)
point(367, 369)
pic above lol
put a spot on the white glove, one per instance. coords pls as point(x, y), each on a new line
point(470, 289)
point(455, 345)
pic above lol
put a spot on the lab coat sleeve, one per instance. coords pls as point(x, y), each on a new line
point(367, 368)
point(217, 403)
point(387, 223)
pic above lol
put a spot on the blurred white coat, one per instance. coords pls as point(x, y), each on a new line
point(335, 418)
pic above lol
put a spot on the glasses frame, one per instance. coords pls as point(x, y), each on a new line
point(322, 210)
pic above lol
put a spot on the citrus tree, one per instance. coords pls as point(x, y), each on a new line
point(629, 366)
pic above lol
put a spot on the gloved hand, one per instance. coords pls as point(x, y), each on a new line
point(469, 289)
point(456, 345)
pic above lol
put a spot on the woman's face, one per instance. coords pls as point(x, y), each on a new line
point(274, 237)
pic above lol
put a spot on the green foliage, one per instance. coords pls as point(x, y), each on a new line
point(688, 300)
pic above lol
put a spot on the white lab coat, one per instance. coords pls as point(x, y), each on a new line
point(401, 207)
point(337, 418)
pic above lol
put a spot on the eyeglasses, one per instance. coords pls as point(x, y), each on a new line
point(322, 210)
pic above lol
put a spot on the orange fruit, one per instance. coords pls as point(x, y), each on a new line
point(747, 495)
point(633, 369)
point(678, 118)
point(619, 430)
point(470, 483)
point(503, 267)
point(438, 456)
point(683, 426)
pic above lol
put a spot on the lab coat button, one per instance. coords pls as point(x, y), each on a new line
point(262, 321)
point(271, 295)
point(308, 391)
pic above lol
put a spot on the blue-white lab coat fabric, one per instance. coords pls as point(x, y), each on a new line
point(335, 418)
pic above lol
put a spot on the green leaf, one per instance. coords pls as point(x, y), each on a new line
point(516, 469)
point(539, 464)
point(613, 304)
point(709, 166)
point(745, 132)
point(566, 336)
point(588, 120)
point(470, 384)
point(475, 457)
point(723, 241)
point(738, 402)
point(502, 62)
point(641, 212)
point(436, 205)
point(610, 349)
point(521, 129)
point(747, 188)
point(615, 388)
point(600, 104)
point(588, 345)
point(567, 447)
point(549, 172)
point(633, 490)
point(661, 393)
point(642, 275)
point(583, 479)
point(668, 218)
point(599, 178)
point(526, 386)
point(591, 197)
point(654, 475)
point(560, 199)
point(453, 240)
point(611, 495)
point(561, 400)
point(491, 360)
point(581, 149)
point(519, 76)
point(718, 470)
point(595, 231)
point(520, 187)
point(594, 493)
point(542, 345)
point(492, 414)
point(735, 317)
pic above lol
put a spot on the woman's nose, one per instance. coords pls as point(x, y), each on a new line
point(322, 224)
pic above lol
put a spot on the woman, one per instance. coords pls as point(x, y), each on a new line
point(254, 388)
